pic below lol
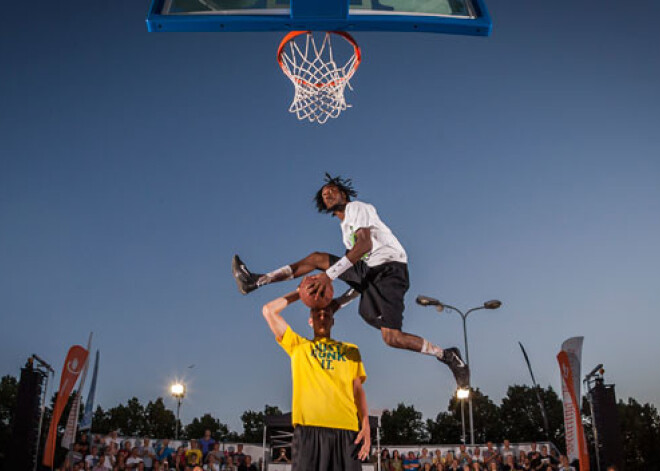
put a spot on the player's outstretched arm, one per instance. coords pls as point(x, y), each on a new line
point(271, 312)
point(364, 436)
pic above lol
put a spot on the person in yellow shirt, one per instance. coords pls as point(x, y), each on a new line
point(194, 455)
point(329, 406)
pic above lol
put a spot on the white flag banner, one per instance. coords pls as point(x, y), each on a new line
point(573, 348)
point(569, 360)
point(86, 422)
point(70, 432)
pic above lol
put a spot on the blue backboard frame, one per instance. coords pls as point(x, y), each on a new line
point(337, 19)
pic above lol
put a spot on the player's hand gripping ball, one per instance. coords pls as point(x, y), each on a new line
point(315, 299)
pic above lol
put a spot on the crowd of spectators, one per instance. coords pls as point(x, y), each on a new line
point(490, 458)
point(109, 454)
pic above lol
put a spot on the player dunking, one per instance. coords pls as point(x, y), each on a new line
point(375, 267)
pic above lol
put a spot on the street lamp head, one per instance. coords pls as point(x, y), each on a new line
point(462, 393)
point(492, 304)
point(178, 390)
point(427, 301)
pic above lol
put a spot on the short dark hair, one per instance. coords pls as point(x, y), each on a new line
point(345, 185)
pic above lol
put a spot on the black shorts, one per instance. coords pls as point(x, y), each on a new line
point(324, 449)
point(382, 289)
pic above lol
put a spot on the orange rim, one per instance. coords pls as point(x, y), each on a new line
point(294, 34)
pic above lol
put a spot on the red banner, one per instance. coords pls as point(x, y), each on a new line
point(73, 366)
point(576, 447)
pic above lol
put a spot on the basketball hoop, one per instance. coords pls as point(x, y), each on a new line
point(318, 81)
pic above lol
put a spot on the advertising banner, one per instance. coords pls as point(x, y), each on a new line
point(75, 362)
point(86, 422)
point(569, 359)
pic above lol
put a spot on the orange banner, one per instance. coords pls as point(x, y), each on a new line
point(576, 446)
point(73, 366)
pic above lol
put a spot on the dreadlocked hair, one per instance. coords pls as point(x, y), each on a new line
point(345, 185)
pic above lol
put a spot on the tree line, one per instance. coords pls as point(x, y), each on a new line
point(155, 420)
point(517, 417)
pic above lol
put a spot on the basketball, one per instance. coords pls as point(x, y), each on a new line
point(310, 300)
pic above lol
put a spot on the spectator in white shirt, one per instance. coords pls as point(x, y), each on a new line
point(476, 455)
point(507, 450)
point(134, 461)
point(212, 464)
point(112, 438)
point(92, 458)
point(564, 464)
point(424, 458)
point(103, 464)
point(147, 453)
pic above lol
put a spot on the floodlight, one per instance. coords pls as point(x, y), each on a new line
point(178, 390)
point(462, 393)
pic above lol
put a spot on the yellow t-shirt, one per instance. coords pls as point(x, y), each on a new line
point(193, 452)
point(323, 371)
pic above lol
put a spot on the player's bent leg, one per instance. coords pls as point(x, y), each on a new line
point(449, 356)
point(314, 261)
point(398, 339)
point(248, 281)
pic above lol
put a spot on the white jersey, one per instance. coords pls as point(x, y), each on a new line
point(384, 246)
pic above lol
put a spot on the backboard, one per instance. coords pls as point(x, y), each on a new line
point(466, 17)
point(318, 71)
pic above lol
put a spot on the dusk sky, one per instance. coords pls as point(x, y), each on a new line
point(523, 167)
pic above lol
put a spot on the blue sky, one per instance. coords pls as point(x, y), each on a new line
point(522, 167)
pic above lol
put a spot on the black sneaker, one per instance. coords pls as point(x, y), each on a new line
point(452, 358)
point(245, 280)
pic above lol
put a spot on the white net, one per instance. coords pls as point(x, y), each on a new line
point(318, 81)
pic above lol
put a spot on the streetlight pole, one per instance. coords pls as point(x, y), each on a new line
point(378, 413)
point(462, 394)
point(178, 391)
point(178, 412)
point(463, 438)
point(493, 304)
